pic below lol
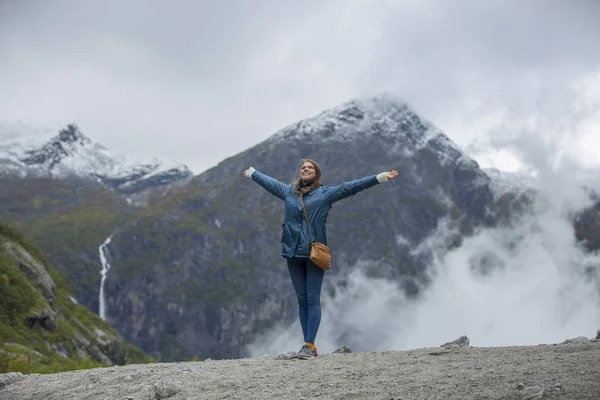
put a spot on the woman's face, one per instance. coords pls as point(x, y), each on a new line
point(307, 172)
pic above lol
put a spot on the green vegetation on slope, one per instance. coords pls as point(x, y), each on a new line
point(74, 237)
point(77, 331)
point(183, 221)
point(67, 220)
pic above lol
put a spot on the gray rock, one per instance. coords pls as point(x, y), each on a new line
point(459, 343)
point(33, 269)
point(579, 339)
point(10, 377)
point(290, 355)
point(164, 390)
point(532, 393)
point(343, 349)
point(24, 350)
point(97, 355)
point(44, 318)
point(115, 350)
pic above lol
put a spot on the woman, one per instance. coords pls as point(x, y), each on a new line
point(307, 278)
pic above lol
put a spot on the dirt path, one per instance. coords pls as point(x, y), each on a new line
point(563, 371)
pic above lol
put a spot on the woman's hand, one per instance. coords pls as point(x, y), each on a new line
point(248, 172)
point(392, 174)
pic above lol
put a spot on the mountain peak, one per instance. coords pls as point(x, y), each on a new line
point(384, 118)
point(70, 152)
point(363, 108)
point(72, 135)
point(383, 114)
point(377, 103)
point(67, 143)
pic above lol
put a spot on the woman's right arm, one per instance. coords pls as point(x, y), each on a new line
point(273, 186)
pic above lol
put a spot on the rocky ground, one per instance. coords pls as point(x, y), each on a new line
point(569, 370)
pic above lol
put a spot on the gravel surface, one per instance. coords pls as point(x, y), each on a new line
point(561, 371)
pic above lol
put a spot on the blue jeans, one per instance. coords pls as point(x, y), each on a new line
point(307, 280)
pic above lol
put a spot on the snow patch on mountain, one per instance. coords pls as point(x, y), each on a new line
point(515, 182)
point(30, 150)
point(377, 117)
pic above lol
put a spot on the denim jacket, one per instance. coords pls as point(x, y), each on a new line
point(295, 237)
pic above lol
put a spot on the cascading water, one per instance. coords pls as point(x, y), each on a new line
point(103, 272)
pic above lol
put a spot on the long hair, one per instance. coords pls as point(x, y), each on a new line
point(308, 187)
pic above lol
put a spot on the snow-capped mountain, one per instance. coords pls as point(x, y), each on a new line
point(382, 117)
point(26, 150)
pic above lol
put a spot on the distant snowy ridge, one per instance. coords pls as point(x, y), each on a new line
point(27, 151)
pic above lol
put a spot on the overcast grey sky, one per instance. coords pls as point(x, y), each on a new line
point(198, 81)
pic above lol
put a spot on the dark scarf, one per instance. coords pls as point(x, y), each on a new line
point(306, 187)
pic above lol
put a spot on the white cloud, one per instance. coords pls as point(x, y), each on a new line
point(198, 82)
point(539, 287)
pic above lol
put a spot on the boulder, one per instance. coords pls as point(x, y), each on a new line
point(45, 318)
point(461, 342)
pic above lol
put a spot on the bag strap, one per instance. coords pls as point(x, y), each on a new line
point(306, 217)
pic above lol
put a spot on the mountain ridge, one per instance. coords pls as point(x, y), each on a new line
point(70, 152)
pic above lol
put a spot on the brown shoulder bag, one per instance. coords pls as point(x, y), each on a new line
point(320, 254)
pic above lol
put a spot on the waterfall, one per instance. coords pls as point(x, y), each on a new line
point(103, 271)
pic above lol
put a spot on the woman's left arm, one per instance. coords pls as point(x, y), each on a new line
point(347, 189)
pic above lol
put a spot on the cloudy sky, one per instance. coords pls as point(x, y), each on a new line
point(198, 81)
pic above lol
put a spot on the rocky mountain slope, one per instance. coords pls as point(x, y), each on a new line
point(199, 272)
point(42, 326)
point(569, 370)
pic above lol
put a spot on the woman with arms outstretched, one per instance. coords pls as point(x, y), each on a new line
point(307, 278)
